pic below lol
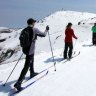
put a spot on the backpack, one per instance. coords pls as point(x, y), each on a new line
point(25, 38)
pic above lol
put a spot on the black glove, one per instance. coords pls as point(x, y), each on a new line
point(47, 27)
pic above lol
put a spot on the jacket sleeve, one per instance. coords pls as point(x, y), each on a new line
point(74, 35)
point(39, 33)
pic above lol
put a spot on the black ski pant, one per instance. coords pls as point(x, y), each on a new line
point(94, 38)
point(70, 47)
point(29, 63)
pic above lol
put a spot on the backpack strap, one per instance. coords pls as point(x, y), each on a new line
point(30, 33)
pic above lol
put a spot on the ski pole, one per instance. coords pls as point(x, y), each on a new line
point(74, 46)
point(52, 52)
point(12, 70)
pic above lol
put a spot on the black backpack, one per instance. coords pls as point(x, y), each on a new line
point(25, 38)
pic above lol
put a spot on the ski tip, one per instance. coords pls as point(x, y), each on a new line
point(74, 52)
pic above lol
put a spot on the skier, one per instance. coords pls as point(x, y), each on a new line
point(29, 52)
point(69, 33)
point(94, 34)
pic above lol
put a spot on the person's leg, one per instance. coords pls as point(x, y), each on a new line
point(32, 64)
point(32, 73)
point(23, 73)
point(65, 51)
point(70, 50)
point(93, 38)
point(25, 69)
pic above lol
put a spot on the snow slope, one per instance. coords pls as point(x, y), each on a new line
point(73, 78)
point(57, 22)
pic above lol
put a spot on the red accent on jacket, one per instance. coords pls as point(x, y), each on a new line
point(69, 33)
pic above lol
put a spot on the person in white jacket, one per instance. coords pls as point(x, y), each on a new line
point(29, 51)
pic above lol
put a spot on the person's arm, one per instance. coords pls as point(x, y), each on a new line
point(74, 35)
point(39, 33)
point(65, 32)
point(92, 29)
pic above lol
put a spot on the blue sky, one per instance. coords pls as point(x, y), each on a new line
point(14, 13)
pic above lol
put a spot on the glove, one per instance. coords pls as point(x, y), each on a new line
point(47, 27)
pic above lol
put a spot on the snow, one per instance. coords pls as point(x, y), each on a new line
point(73, 78)
point(2, 28)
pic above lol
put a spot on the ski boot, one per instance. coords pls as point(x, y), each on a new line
point(18, 86)
point(33, 75)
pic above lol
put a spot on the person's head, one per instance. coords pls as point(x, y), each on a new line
point(69, 25)
point(31, 21)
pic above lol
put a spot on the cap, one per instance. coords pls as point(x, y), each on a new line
point(30, 21)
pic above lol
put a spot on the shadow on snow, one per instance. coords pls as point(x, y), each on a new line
point(57, 59)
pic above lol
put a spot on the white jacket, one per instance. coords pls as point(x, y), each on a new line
point(36, 31)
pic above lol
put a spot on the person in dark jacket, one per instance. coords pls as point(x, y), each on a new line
point(69, 33)
point(29, 62)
